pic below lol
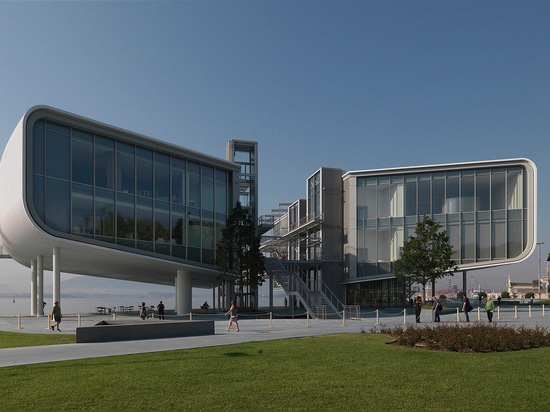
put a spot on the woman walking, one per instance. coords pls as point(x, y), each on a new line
point(233, 317)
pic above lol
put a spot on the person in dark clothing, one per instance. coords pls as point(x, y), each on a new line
point(418, 308)
point(56, 315)
point(160, 308)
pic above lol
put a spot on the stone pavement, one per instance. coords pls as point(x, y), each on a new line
point(251, 330)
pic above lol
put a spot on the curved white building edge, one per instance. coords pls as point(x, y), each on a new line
point(38, 246)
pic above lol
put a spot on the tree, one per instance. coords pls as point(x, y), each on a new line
point(238, 253)
point(426, 256)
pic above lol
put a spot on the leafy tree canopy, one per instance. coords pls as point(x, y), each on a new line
point(238, 251)
point(426, 256)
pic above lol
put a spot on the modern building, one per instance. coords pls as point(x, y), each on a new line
point(337, 246)
point(83, 197)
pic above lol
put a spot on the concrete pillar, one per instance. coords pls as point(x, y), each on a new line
point(183, 292)
point(34, 296)
point(56, 275)
point(40, 284)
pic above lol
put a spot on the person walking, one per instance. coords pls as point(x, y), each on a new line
point(490, 307)
point(466, 307)
point(160, 308)
point(143, 311)
point(233, 317)
point(418, 308)
point(436, 307)
point(56, 315)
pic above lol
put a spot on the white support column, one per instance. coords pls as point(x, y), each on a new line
point(56, 275)
point(183, 292)
point(34, 296)
point(40, 284)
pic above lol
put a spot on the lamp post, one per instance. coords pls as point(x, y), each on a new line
point(539, 244)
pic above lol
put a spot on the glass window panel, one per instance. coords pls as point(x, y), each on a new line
point(498, 191)
point(82, 162)
point(397, 200)
point(57, 203)
point(453, 232)
point(438, 196)
point(125, 173)
point(208, 241)
point(370, 202)
point(207, 194)
point(144, 153)
point(144, 224)
point(104, 141)
point(57, 155)
point(58, 128)
point(126, 220)
point(38, 151)
point(82, 135)
point(483, 192)
point(162, 158)
point(483, 242)
point(424, 197)
point(178, 163)
point(104, 215)
point(221, 197)
point(514, 182)
point(178, 189)
point(467, 193)
point(125, 148)
point(144, 172)
point(410, 198)
point(82, 215)
point(162, 229)
point(104, 167)
point(452, 196)
point(194, 232)
point(194, 188)
point(162, 182)
point(498, 246)
point(515, 238)
point(468, 243)
point(383, 200)
point(193, 167)
point(179, 226)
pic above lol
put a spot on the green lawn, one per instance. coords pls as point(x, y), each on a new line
point(350, 372)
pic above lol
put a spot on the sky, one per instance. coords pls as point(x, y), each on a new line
point(349, 84)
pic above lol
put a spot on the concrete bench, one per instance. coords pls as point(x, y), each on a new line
point(121, 330)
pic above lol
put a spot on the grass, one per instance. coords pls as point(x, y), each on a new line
point(17, 339)
point(328, 373)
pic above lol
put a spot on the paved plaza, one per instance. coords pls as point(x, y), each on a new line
point(251, 330)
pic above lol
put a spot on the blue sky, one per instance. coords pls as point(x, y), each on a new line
point(348, 84)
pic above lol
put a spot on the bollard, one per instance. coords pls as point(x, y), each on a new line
point(307, 321)
point(530, 314)
point(49, 322)
point(478, 313)
point(190, 315)
point(405, 316)
point(344, 318)
point(114, 315)
point(457, 314)
point(78, 317)
point(19, 321)
point(270, 320)
point(153, 316)
point(515, 312)
point(377, 318)
point(498, 312)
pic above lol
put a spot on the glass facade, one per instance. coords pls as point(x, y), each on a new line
point(106, 190)
point(484, 212)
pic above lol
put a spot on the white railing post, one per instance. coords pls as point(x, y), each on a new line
point(405, 316)
point(307, 320)
point(515, 311)
point(19, 321)
point(377, 317)
point(457, 314)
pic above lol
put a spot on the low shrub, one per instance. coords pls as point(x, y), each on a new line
point(481, 338)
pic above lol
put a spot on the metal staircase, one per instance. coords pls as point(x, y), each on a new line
point(320, 304)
